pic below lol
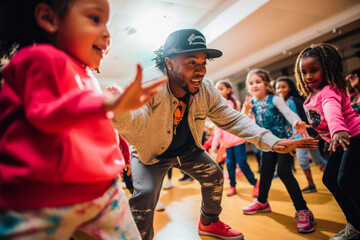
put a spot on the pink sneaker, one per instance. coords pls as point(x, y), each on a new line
point(220, 230)
point(305, 221)
point(256, 189)
point(257, 207)
point(231, 191)
point(238, 172)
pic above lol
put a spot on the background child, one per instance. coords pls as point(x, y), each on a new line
point(353, 79)
point(219, 154)
point(286, 88)
point(235, 146)
point(59, 153)
point(269, 111)
point(320, 77)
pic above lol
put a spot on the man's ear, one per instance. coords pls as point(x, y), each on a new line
point(46, 18)
point(169, 64)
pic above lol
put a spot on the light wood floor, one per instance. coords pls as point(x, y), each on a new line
point(180, 219)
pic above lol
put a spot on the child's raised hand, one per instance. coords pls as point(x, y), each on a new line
point(340, 138)
point(288, 145)
point(247, 105)
point(301, 127)
point(135, 95)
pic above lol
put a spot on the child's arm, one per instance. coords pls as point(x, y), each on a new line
point(333, 115)
point(134, 96)
point(217, 138)
point(293, 118)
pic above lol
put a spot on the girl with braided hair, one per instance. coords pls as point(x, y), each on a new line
point(320, 77)
point(286, 89)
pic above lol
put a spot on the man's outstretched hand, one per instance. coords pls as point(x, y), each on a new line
point(288, 145)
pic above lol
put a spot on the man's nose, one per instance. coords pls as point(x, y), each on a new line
point(201, 69)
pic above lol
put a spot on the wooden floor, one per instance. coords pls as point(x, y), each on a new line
point(180, 219)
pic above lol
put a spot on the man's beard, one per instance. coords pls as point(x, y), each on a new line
point(186, 89)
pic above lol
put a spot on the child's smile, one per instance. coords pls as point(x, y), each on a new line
point(100, 50)
point(83, 32)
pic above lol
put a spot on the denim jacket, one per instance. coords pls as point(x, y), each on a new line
point(150, 129)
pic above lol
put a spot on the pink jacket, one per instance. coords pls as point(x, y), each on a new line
point(329, 111)
point(57, 146)
point(225, 138)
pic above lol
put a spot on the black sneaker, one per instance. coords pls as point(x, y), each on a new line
point(309, 189)
point(186, 178)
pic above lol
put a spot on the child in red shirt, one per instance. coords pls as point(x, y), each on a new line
point(59, 154)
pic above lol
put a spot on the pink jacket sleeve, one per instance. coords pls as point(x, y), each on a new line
point(332, 111)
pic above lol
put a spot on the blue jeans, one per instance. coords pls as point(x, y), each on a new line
point(301, 156)
point(237, 155)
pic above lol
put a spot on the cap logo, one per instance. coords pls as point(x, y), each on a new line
point(194, 40)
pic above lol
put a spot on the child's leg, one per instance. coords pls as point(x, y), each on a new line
point(267, 169)
point(349, 179)
point(301, 157)
point(115, 220)
point(60, 222)
point(257, 154)
point(41, 224)
point(241, 159)
point(316, 156)
point(341, 177)
point(292, 186)
point(231, 165)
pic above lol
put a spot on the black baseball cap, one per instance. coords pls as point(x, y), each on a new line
point(188, 40)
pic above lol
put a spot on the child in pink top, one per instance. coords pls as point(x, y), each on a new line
point(321, 78)
point(59, 153)
point(235, 146)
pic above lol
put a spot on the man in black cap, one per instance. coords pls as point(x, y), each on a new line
point(167, 133)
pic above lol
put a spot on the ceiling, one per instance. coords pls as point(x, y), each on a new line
point(246, 31)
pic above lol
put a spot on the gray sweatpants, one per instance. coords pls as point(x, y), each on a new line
point(147, 181)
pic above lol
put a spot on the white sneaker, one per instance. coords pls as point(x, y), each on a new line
point(168, 185)
point(159, 207)
point(349, 233)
